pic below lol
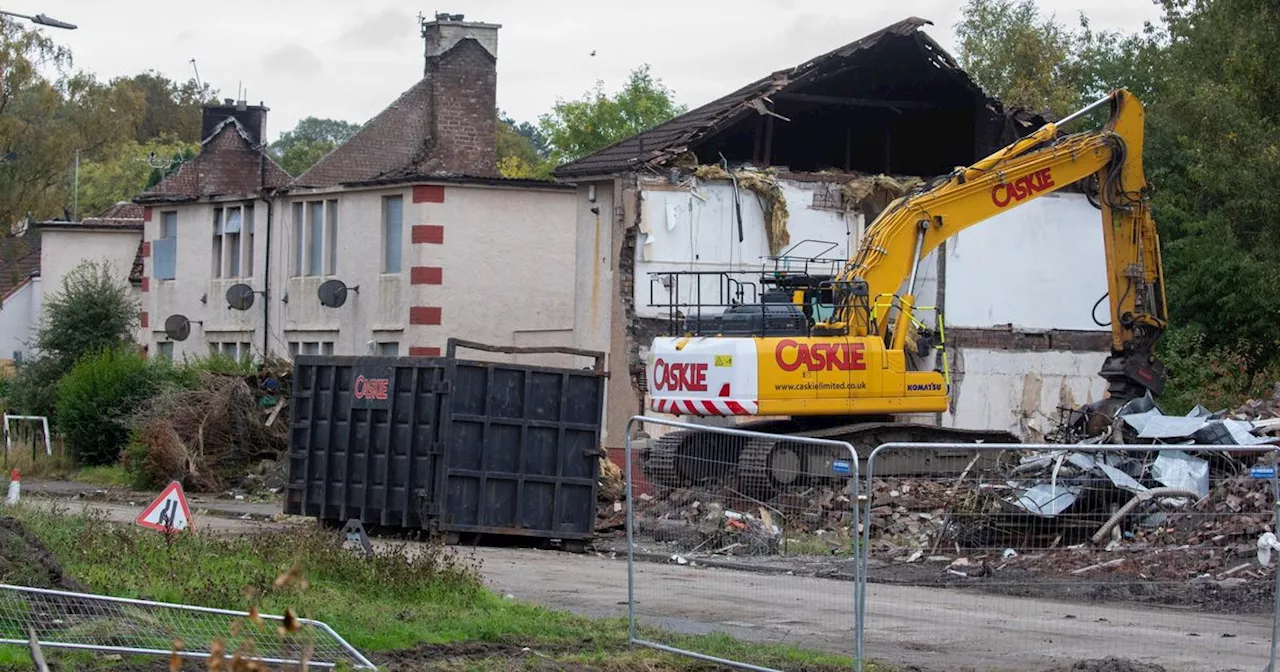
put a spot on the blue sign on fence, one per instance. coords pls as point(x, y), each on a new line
point(840, 466)
point(1262, 471)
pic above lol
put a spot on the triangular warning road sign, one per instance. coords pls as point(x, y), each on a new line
point(168, 512)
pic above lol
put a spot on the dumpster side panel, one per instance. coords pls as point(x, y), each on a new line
point(521, 451)
point(362, 438)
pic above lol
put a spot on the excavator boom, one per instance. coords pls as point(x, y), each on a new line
point(846, 376)
point(1042, 163)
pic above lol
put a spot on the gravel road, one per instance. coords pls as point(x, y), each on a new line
point(934, 629)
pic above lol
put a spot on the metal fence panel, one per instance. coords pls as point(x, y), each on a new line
point(720, 542)
point(1035, 556)
point(81, 621)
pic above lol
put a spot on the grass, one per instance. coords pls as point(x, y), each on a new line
point(398, 599)
point(109, 476)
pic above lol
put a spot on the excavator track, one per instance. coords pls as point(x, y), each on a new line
point(760, 467)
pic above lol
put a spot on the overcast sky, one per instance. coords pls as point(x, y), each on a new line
point(344, 59)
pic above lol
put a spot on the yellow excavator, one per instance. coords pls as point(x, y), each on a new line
point(845, 376)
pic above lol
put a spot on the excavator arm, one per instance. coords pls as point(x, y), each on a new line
point(916, 224)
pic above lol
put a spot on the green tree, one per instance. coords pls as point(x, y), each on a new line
point(94, 310)
point(48, 114)
point(516, 149)
point(128, 169)
point(172, 109)
point(576, 128)
point(308, 142)
point(97, 398)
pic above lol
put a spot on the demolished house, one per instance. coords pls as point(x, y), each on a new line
point(797, 164)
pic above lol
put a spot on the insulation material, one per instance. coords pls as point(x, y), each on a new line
point(772, 200)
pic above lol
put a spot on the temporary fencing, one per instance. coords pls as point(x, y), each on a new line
point(1057, 553)
point(1024, 556)
point(69, 620)
point(710, 512)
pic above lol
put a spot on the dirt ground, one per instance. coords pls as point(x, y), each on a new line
point(909, 627)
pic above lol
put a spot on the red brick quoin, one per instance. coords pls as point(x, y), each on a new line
point(428, 233)
point(426, 275)
point(428, 315)
point(428, 193)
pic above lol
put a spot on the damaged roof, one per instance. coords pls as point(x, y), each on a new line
point(876, 88)
point(229, 164)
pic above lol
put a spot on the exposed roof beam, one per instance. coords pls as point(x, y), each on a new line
point(856, 102)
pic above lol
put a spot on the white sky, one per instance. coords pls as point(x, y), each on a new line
point(344, 59)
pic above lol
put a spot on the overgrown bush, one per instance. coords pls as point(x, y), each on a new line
point(99, 395)
point(94, 310)
point(1214, 376)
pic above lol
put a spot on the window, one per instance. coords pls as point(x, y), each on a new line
point(233, 242)
point(392, 233)
point(315, 238)
point(310, 348)
point(238, 351)
point(164, 350)
point(164, 250)
point(389, 349)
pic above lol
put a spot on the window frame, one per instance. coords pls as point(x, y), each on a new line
point(388, 236)
point(163, 249)
point(233, 250)
point(312, 258)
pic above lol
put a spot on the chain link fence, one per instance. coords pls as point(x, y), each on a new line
point(1029, 556)
point(67, 620)
point(715, 547)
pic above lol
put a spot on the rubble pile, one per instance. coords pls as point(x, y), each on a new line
point(695, 521)
point(216, 434)
point(611, 493)
point(907, 516)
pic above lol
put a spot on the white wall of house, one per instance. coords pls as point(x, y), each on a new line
point(696, 229)
point(188, 286)
point(63, 249)
point(1038, 267)
point(497, 266)
point(19, 319)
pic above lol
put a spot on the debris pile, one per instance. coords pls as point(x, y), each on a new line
point(907, 516)
point(611, 493)
point(694, 522)
point(211, 436)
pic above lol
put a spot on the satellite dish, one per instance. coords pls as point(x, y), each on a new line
point(240, 296)
point(333, 293)
point(177, 327)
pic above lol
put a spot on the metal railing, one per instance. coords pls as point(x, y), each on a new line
point(80, 621)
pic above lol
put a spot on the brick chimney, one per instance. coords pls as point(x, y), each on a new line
point(252, 117)
point(462, 76)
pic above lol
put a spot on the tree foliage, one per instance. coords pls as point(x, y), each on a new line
point(520, 150)
point(172, 109)
point(308, 142)
point(129, 169)
point(1209, 76)
point(99, 395)
point(576, 128)
point(94, 310)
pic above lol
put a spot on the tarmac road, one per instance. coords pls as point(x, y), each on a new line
point(935, 629)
